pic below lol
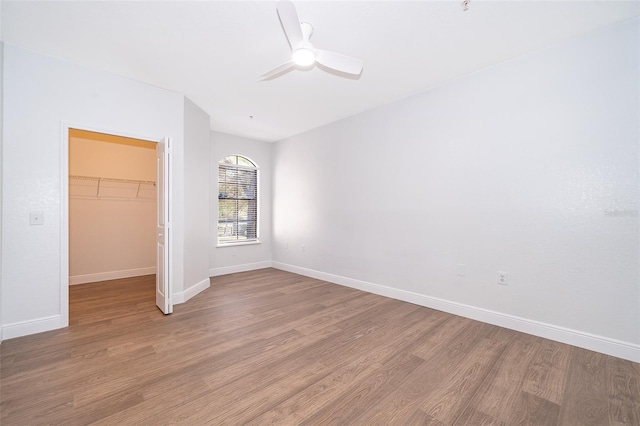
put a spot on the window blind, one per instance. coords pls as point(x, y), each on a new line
point(237, 204)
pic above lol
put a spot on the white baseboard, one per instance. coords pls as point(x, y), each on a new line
point(112, 275)
point(239, 268)
point(23, 328)
point(617, 348)
point(191, 291)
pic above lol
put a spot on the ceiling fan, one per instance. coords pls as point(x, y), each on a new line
point(303, 54)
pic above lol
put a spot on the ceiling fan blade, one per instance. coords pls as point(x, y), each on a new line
point(339, 62)
point(278, 70)
point(290, 23)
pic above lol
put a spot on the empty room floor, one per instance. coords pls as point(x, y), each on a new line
point(272, 347)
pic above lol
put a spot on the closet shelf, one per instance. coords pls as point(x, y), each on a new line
point(111, 188)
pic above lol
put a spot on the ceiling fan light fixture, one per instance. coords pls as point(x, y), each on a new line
point(303, 57)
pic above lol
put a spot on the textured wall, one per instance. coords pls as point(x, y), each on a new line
point(110, 235)
point(528, 167)
point(196, 196)
point(41, 95)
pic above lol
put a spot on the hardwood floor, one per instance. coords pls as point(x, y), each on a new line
point(271, 347)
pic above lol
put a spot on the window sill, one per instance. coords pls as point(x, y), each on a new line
point(243, 243)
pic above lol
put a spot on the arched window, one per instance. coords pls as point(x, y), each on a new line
point(237, 200)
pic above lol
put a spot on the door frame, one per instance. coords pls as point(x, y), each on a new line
point(64, 208)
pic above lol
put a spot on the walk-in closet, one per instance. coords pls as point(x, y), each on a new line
point(112, 212)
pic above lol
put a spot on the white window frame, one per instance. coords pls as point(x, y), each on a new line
point(256, 168)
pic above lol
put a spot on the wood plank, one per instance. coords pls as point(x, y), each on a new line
point(366, 393)
point(530, 409)
point(271, 347)
point(548, 370)
point(471, 416)
point(303, 404)
point(396, 338)
point(419, 417)
point(293, 372)
point(500, 390)
point(585, 400)
point(451, 398)
point(443, 350)
point(623, 384)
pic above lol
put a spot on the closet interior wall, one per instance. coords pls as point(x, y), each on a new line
point(112, 207)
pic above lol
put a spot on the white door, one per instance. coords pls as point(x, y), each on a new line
point(163, 231)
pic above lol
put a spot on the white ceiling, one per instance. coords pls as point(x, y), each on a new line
point(214, 51)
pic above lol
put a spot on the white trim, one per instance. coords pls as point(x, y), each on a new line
point(214, 272)
point(111, 275)
point(64, 226)
point(191, 291)
point(241, 243)
point(64, 205)
point(605, 345)
point(24, 328)
point(255, 166)
point(98, 129)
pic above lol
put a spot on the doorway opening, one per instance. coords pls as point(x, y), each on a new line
point(114, 216)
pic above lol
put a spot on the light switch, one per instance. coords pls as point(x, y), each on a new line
point(36, 218)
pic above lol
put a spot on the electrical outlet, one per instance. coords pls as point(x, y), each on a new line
point(303, 249)
point(461, 270)
point(502, 278)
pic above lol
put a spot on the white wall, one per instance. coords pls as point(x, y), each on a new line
point(109, 237)
point(41, 94)
point(229, 259)
point(529, 167)
point(196, 201)
point(1, 138)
